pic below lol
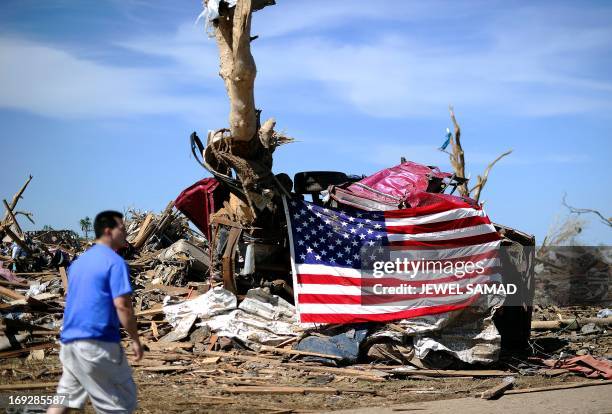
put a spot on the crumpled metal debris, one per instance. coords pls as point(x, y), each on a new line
point(478, 342)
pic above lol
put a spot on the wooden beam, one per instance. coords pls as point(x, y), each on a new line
point(9, 293)
point(142, 231)
point(571, 324)
point(16, 239)
point(30, 386)
point(10, 214)
point(498, 390)
point(64, 276)
point(274, 350)
point(228, 259)
point(559, 387)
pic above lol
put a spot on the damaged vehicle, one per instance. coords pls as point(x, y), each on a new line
point(251, 248)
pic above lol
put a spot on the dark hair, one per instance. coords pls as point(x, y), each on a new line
point(106, 220)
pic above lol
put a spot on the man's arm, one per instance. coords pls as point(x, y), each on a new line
point(125, 312)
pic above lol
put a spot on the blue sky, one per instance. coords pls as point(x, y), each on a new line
point(98, 98)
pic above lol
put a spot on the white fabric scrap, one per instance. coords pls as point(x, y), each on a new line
point(37, 288)
point(213, 302)
point(210, 13)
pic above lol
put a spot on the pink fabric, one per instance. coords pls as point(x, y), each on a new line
point(423, 198)
point(10, 276)
point(396, 183)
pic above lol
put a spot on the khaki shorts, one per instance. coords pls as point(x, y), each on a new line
point(100, 371)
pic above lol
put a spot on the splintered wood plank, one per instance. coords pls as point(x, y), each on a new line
point(64, 276)
point(9, 293)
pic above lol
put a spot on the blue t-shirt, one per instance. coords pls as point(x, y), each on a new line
point(97, 277)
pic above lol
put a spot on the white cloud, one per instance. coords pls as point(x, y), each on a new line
point(53, 82)
point(402, 62)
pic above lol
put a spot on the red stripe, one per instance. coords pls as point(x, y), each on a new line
point(326, 279)
point(439, 226)
point(382, 317)
point(449, 243)
point(430, 209)
point(377, 299)
point(389, 281)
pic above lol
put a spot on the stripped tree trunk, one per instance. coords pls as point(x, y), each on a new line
point(247, 146)
point(238, 69)
point(457, 160)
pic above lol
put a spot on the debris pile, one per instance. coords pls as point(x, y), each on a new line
point(227, 298)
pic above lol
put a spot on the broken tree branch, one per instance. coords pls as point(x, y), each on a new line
point(26, 214)
point(574, 210)
point(16, 239)
point(457, 158)
point(16, 198)
point(482, 180)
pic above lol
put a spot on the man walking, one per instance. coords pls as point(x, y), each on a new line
point(97, 303)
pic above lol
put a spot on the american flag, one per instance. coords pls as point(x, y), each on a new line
point(330, 248)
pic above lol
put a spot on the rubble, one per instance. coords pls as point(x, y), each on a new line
point(221, 304)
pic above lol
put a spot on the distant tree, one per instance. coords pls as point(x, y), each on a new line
point(85, 224)
point(46, 227)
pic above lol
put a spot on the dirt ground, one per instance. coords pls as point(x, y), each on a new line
point(205, 384)
point(196, 393)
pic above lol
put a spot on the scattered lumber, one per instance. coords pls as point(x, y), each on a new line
point(165, 368)
point(297, 352)
point(452, 373)
point(270, 389)
point(31, 386)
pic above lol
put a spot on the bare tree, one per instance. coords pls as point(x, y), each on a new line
point(457, 160)
point(246, 147)
point(578, 211)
